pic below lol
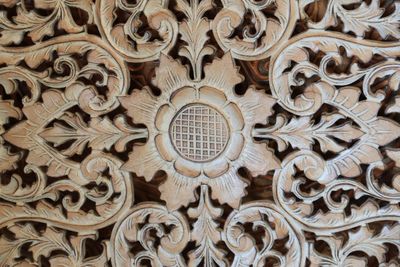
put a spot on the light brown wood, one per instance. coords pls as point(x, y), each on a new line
point(199, 133)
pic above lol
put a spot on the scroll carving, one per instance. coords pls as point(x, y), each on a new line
point(269, 31)
point(154, 217)
point(274, 227)
point(126, 39)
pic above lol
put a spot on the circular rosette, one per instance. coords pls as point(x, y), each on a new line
point(199, 132)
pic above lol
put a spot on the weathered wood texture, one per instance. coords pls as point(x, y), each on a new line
point(199, 133)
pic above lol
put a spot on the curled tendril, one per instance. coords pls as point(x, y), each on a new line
point(142, 48)
point(61, 65)
point(154, 217)
point(268, 31)
point(301, 208)
point(262, 215)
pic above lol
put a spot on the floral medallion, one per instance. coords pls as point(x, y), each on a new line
point(199, 132)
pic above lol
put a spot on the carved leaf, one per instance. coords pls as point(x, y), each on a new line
point(24, 134)
point(7, 159)
point(38, 26)
point(8, 110)
point(100, 134)
point(40, 244)
point(9, 250)
point(367, 16)
point(362, 240)
point(194, 33)
point(44, 244)
point(206, 233)
point(379, 132)
point(361, 19)
point(300, 133)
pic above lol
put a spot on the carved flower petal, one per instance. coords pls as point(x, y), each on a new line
point(141, 106)
point(259, 159)
point(183, 97)
point(256, 106)
point(144, 161)
point(164, 117)
point(187, 168)
point(212, 96)
point(170, 76)
point(235, 118)
point(235, 146)
point(222, 74)
point(228, 188)
point(165, 147)
point(178, 191)
point(216, 167)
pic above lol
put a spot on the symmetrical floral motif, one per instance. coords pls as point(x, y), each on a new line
point(199, 133)
point(215, 93)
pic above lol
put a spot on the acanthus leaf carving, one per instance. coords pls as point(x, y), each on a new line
point(301, 133)
point(8, 159)
point(361, 240)
point(37, 26)
point(25, 134)
point(194, 32)
point(206, 233)
point(99, 134)
point(361, 19)
point(46, 242)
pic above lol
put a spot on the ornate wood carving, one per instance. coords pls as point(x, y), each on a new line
point(199, 133)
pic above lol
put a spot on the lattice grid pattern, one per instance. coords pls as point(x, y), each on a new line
point(199, 132)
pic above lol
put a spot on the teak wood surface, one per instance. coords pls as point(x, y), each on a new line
point(200, 133)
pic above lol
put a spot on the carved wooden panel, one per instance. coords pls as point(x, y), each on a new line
point(200, 133)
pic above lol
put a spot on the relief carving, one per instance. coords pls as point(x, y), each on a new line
point(199, 133)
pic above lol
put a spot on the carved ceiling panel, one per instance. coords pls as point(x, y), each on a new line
point(200, 133)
